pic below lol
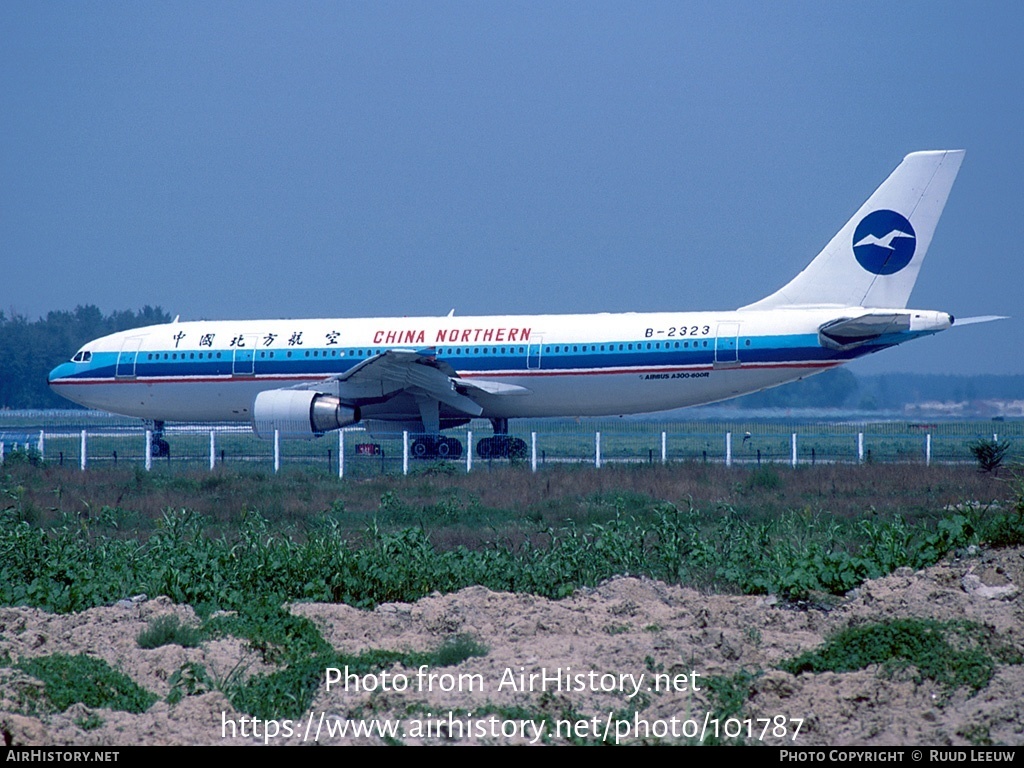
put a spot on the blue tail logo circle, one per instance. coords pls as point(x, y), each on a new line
point(884, 242)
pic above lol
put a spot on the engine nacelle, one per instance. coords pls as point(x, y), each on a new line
point(297, 413)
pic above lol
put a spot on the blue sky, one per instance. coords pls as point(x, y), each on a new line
point(230, 159)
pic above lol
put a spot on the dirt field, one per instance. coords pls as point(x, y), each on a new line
point(602, 647)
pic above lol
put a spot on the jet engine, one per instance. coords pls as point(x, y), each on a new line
point(297, 413)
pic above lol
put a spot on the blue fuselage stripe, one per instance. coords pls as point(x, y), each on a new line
point(495, 360)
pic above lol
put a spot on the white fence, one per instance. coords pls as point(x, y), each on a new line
point(102, 441)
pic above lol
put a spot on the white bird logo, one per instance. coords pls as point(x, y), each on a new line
point(883, 242)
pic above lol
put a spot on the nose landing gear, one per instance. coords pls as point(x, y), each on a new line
point(160, 448)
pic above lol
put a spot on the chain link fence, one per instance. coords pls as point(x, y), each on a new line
point(93, 440)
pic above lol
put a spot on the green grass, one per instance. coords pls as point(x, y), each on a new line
point(952, 654)
point(799, 554)
point(128, 502)
point(295, 645)
point(91, 681)
point(168, 630)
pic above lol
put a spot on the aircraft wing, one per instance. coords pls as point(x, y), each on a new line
point(415, 372)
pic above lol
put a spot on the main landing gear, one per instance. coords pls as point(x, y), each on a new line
point(501, 446)
point(436, 448)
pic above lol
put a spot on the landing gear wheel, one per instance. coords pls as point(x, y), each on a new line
point(160, 449)
point(501, 447)
point(485, 448)
point(516, 448)
point(448, 448)
point(423, 448)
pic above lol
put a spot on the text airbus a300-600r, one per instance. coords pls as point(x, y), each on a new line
point(303, 378)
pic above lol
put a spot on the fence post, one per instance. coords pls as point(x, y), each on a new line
point(341, 453)
point(405, 452)
point(597, 450)
point(928, 449)
point(793, 462)
point(2, 451)
point(533, 451)
point(277, 450)
point(664, 453)
point(728, 449)
point(469, 451)
point(213, 450)
point(42, 446)
point(860, 447)
point(83, 462)
point(149, 449)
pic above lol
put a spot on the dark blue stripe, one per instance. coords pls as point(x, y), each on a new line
point(802, 348)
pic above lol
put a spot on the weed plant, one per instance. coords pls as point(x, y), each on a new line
point(192, 679)
point(797, 555)
point(989, 454)
point(168, 630)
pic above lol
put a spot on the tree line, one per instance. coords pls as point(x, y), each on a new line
point(29, 350)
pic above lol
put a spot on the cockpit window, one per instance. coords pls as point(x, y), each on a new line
point(82, 357)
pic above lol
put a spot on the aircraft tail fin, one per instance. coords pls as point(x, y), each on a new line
point(874, 260)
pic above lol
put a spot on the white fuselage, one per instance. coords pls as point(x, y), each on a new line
point(559, 365)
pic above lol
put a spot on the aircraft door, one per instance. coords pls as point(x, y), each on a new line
point(244, 361)
point(533, 354)
point(128, 357)
point(727, 347)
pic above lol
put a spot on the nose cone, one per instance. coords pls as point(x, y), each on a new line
point(62, 371)
point(60, 381)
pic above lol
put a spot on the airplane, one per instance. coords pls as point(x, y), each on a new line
point(304, 378)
